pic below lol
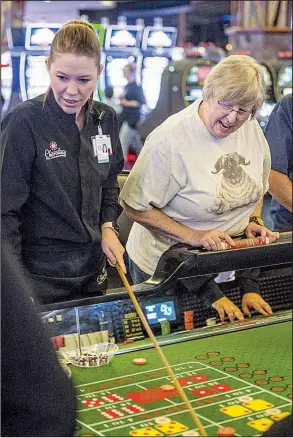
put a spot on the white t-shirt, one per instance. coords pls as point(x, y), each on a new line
point(196, 179)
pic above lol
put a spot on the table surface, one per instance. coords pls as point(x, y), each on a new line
point(216, 372)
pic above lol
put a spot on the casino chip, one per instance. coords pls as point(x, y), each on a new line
point(226, 431)
point(192, 432)
point(162, 420)
point(211, 321)
point(245, 398)
point(273, 411)
point(167, 387)
point(139, 361)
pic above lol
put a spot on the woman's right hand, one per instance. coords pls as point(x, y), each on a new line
point(210, 239)
point(224, 306)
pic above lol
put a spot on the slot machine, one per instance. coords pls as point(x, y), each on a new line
point(10, 64)
point(181, 84)
point(270, 78)
point(6, 80)
point(122, 46)
point(34, 78)
point(158, 43)
point(284, 74)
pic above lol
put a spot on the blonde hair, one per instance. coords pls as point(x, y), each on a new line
point(237, 79)
point(76, 37)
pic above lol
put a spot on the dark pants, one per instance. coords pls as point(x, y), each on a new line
point(137, 275)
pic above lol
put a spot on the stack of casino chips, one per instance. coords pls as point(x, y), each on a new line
point(86, 360)
point(244, 243)
point(165, 326)
point(188, 320)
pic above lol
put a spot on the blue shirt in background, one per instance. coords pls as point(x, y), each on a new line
point(278, 133)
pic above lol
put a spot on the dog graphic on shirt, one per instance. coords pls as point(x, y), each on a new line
point(236, 188)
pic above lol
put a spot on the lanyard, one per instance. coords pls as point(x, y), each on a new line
point(100, 117)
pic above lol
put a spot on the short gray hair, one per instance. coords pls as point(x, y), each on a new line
point(238, 79)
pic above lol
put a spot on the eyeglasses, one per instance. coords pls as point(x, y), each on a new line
point(241, 113)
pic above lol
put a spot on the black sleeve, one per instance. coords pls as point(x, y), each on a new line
point(248, 280)
point(210, 292)
point(18, 154)
point(37, 397)
point(110, 207)
point(281, 428)
point(205, 287)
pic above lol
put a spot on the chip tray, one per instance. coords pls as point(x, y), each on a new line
point(92, 356)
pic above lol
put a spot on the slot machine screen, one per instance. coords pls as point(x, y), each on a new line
point(157, 312)
point(267, 76)
point(285, 80)
point(6, 75)
point(203, 71)
point(195, 81)
point(122, 39)
point(40, 37)
point(165, 39)
point(36, 76)
point(153, 67)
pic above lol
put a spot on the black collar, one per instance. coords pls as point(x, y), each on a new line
point(53, 106)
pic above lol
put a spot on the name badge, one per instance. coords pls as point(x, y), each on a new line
point(101, 148)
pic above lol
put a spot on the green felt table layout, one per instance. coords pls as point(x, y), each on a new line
point(241, 379)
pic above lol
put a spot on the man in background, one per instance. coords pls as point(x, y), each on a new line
point(131, 102)
point(278, 133)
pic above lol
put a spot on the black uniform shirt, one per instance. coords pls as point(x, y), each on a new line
point(54, 190)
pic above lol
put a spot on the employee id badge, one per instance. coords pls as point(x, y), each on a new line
point(101, 148)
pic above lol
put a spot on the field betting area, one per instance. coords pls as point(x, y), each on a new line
point(241, 379)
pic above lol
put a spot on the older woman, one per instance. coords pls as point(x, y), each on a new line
point(200, 178)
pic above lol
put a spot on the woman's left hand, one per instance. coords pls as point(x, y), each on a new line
point(252, 230)
point(253, 300)
point(113, 248)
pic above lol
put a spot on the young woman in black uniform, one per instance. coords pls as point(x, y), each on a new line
point(59, 182)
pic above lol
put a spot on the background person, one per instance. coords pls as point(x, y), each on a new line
point(59, 196)
point(278, 133)
point(131, 101)
point(199, 180)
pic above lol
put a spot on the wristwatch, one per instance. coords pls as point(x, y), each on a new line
point(111, 225)
point(257, 220)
